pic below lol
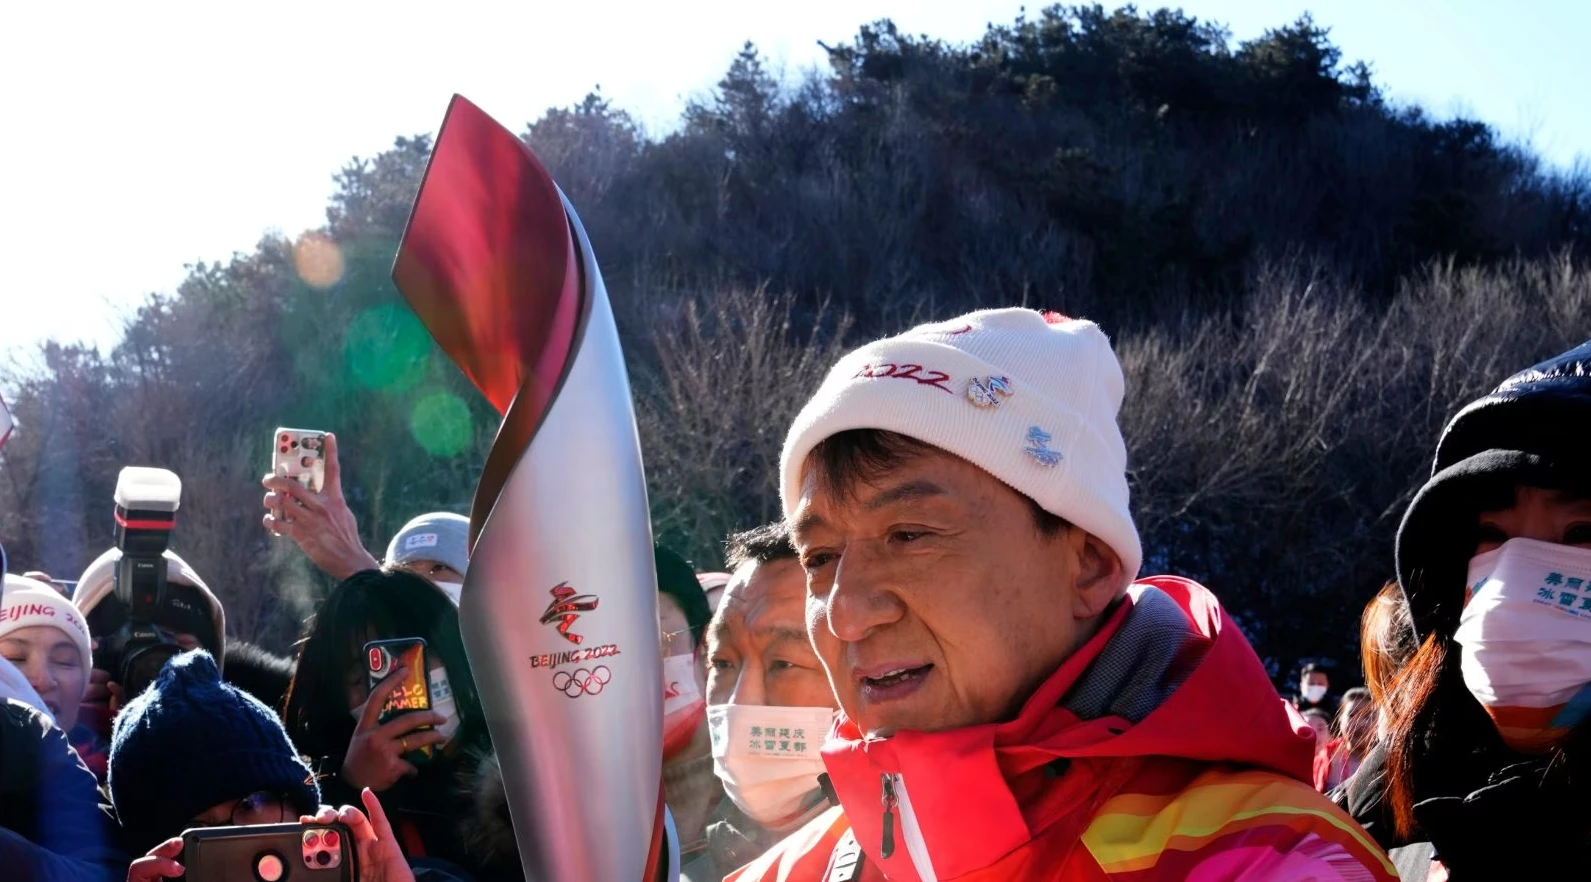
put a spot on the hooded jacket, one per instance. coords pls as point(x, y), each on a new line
point(1470, 791)
point(1530, 430)
point(1158, 751)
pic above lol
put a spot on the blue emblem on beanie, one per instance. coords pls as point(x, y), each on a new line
point(190, 742)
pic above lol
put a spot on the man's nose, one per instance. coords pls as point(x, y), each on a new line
point(861, 598)
point(749, 688)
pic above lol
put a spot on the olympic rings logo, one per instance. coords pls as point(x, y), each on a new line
point(582, 681)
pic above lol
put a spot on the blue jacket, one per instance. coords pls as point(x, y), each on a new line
point(52, 826)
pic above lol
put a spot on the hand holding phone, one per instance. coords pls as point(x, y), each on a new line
point(378, 754)
point(300, 454)
point(404, 657)
point(307, 852)
point(319, 521)
point(380, 858)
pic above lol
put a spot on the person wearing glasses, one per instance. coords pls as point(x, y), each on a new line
point(690, 788)
point(192, 751)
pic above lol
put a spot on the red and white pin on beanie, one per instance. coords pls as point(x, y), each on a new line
point(1028, 397)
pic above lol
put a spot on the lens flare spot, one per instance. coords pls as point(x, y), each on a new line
point(318, 260)
point(387, 348)
point(440, 423)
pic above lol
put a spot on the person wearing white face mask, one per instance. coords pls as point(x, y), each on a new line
point(417, 762)
point(689, 787)
point(1314, 691)
point(769, 704)
point(435, 547)
point(1487, 745)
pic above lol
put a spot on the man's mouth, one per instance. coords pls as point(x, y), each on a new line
point(892, 681)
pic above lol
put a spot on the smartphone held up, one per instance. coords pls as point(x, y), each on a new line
point(269, 853)
point(382, 659)
point(300, 454)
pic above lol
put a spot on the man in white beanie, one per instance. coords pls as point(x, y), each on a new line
point(1014, 705)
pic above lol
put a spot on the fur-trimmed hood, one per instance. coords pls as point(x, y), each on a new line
point(487, 829)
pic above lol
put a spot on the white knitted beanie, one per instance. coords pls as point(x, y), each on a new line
point(28, 603)
point(1028, 397)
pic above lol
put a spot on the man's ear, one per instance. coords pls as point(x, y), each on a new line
point(1097, 573)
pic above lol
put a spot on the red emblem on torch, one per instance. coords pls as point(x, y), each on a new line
point(567, 606)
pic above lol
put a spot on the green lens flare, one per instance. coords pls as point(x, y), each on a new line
point(386, 348)
point(440, 423)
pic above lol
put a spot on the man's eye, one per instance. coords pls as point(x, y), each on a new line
point(816, 560)
point(908, 535)
point(1577, 534)
point(722, 664)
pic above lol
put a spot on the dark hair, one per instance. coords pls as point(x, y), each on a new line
point(1314, 668)
point(857, 456)
point(374, 605)
point(678, 580)
point(761, 545)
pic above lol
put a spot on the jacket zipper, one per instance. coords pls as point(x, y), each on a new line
point(888, 845)
point(896, 800)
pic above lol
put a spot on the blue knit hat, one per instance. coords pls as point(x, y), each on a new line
point(191, 741)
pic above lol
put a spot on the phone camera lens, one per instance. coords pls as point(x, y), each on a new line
point(295, 445)
point(323, 858)
point(269, 868)
point(330, 838)
point(312, 838)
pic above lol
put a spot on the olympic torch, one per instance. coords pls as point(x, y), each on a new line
point(559, 608)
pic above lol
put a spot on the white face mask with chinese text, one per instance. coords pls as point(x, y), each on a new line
point(1525, 640)
point(767, 757)
point(1313, 693)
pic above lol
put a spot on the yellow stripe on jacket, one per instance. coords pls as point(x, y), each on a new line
point(1135, 831)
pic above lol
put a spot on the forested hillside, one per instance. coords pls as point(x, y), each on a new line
point(1303, 280)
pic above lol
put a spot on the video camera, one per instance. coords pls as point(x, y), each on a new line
point(146, 511)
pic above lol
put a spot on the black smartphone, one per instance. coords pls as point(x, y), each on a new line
point(269, 853)
point(382, 657)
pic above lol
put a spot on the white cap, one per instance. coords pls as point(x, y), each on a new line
point(1029, 397)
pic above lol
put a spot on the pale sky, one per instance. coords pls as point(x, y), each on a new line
point(136, 138)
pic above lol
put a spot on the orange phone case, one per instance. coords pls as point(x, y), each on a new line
point(382, 657)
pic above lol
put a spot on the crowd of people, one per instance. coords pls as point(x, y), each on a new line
point(941, 663)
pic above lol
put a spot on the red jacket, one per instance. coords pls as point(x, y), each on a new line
point(1213, 783)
